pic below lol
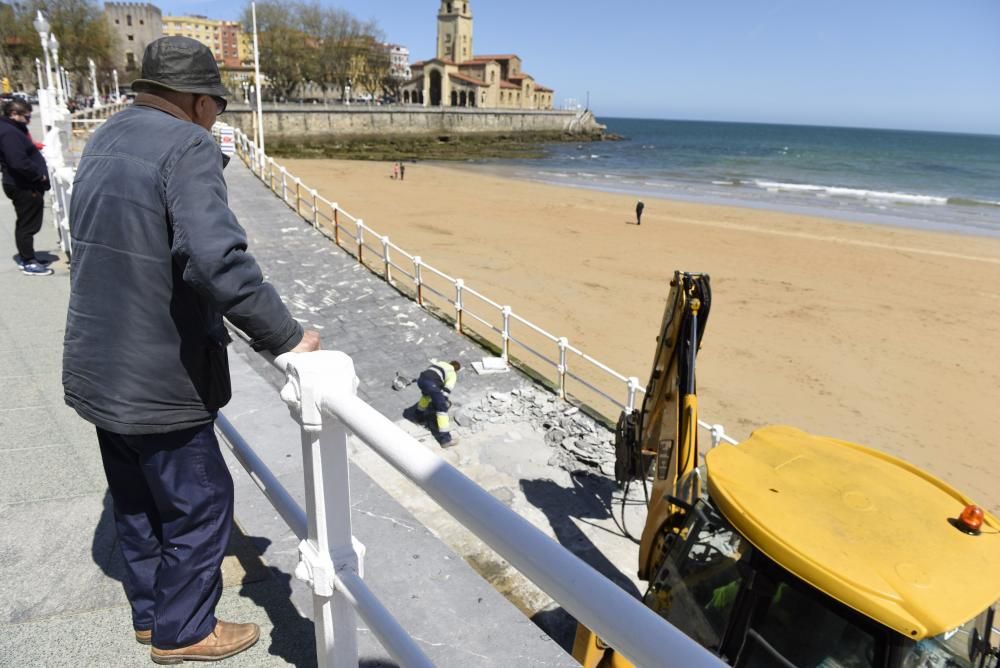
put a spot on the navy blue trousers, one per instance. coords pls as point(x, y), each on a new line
point(173, 501)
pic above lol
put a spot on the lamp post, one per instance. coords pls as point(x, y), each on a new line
point(42, 26)
point(256, 79)
point(118, 93)
point(38, 69)
point(54, 47)
point(93, 83)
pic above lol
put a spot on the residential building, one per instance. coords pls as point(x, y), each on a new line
point(224, 38)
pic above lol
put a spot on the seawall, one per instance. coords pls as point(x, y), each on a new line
point(294, 121)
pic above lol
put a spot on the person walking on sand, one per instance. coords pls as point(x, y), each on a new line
point(395, 170)
point(402, 171)
point(25, 180)
point(158, 260)
point(638, 212)
point(436, 384)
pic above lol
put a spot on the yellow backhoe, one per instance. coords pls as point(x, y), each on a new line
point(794, 550)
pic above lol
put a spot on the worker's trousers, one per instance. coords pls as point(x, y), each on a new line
point(173, 501)
point(432, 390)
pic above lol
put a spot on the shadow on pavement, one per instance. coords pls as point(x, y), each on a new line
point(590, 497)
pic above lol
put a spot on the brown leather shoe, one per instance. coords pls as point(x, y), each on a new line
point(144, 637)
point(226, 640)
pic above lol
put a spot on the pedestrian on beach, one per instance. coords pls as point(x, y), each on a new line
point(395, 170)
point(638, 212)
point(25, 180)
point(158, 260)
point(436, 384)
point(402, 171)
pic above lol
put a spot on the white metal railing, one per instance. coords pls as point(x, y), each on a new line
point(321, 390)
point(355, 236)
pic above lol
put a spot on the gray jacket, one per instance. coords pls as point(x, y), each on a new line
point(158, 259)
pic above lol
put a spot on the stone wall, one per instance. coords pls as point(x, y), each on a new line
point(304, 121)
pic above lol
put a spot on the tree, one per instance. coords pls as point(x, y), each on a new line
point(303, 42)
point(79, 26)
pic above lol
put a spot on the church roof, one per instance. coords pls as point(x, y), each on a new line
point(472, 80)
point(507, 84)
point(504, 56)
point(542, 89)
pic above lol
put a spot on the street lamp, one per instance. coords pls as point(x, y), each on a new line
point(54, 47)
point(118, 93)
point(93, 82)
point(42, 26)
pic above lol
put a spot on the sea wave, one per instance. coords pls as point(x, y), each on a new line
point(968, 201)
point(856, 193)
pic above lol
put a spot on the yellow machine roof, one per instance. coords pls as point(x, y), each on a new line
point(866, 528)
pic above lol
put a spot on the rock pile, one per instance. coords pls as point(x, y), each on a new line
point(578, 441)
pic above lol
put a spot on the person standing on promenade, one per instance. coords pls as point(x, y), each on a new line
point(25, 180)
point(159, 259)
point(436, 384)
point(638, 212)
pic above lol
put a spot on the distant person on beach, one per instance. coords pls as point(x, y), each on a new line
point(436, 384)
point(395, 170)
point(25, 180)
point(402, 171)
point(158, 260)
point(638, 212)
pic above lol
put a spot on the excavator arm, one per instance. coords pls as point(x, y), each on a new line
point(659, 441)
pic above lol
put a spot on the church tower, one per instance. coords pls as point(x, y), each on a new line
point(454, 39)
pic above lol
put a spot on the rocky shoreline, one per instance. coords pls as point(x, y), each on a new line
point(426, 147)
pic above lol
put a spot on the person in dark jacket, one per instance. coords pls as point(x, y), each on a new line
point(25, 180)
point(639, 206)
point(159, 259)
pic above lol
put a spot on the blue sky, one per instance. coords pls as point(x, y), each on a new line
point(908, 64)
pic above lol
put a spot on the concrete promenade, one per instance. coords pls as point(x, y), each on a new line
point(61, 601)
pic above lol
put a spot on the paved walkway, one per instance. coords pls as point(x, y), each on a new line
point(61, 602)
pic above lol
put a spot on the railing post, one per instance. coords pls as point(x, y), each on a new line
point(506, 310)
point(459, 284)
point(563, 344)
point(270, 174)
point(385, 256)
point(361, 240)
point(417, 262)
point(330, 547)
point(298, 196)
point(336, 225)
point(633, 387)
point(315, 206)
point(718, 432)
point(284, 185)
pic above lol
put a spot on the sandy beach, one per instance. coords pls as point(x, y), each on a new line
point(881, 335)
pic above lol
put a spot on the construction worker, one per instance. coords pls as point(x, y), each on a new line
point(436, 383)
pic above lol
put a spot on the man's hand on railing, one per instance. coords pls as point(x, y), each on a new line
point(309, 342)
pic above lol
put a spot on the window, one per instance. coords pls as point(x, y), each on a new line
point(697, 585)
point(131, 38)
point(129, 61)
point(823, 637)
point(117, 22)
point(128, 19)
point(142, 22)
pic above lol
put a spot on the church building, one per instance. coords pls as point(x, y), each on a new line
point(459, 78)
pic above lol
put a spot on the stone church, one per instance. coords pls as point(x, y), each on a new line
point(458, 78)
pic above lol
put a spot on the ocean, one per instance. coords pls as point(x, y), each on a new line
point(928, 180)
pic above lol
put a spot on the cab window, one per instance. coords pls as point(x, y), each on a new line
point(697, 587)
point(797, 628)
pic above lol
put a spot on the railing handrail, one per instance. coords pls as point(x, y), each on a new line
point(322, 389)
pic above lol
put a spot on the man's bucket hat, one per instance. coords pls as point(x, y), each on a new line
point(180, 64)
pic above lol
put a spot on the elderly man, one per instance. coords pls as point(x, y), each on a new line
point(159, 259)
point(25, 180)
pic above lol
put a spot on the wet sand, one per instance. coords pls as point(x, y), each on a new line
point(880, 335)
